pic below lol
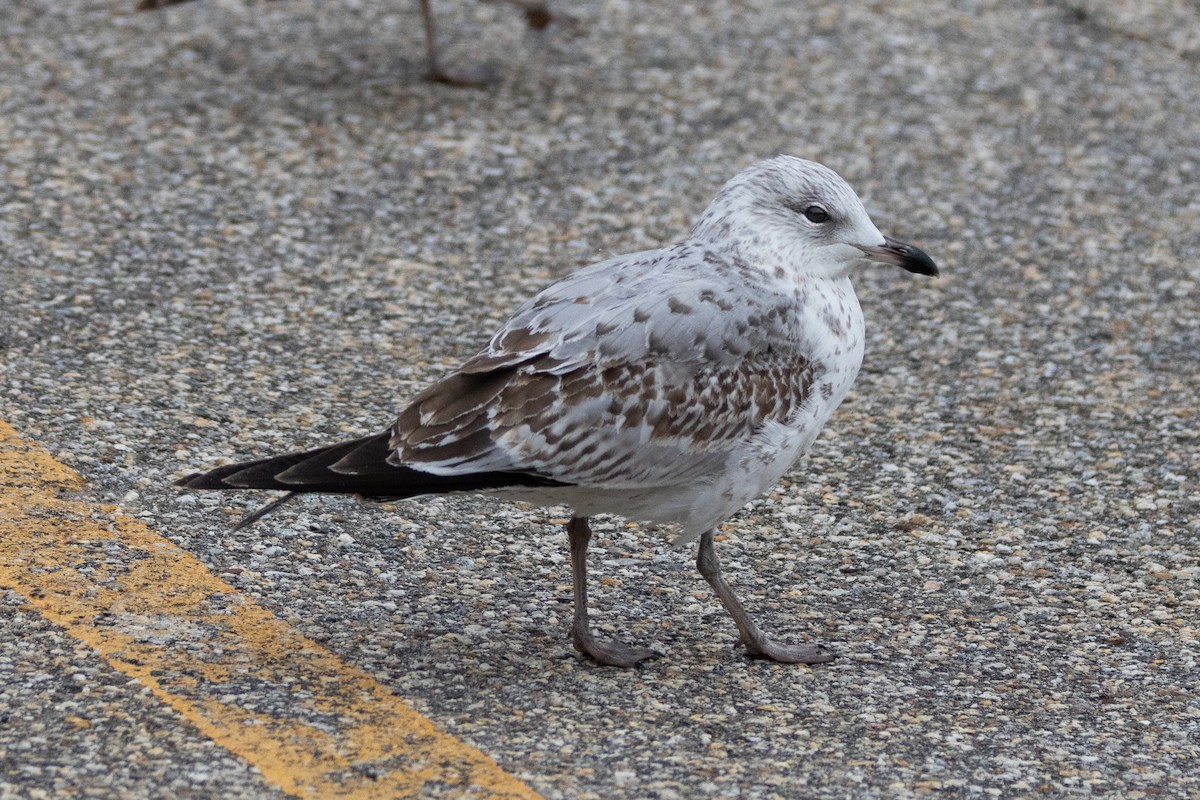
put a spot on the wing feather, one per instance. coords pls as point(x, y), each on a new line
point(645, 371)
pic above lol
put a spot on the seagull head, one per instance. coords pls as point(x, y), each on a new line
point(800, 216)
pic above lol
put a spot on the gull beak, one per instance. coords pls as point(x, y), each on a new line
point(901, 254)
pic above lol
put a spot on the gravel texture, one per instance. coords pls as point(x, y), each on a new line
point(73, 727)
point(233, 228)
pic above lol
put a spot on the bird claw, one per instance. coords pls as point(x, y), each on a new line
point(771, 650)
point(615, 654)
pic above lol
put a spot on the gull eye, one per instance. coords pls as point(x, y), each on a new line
point(816, 214)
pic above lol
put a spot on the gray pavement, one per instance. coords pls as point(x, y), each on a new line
point(235, 227)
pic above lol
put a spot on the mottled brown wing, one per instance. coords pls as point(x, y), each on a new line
point(632, 425)
point(645, 370)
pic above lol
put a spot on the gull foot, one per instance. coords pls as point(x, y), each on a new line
point(468, 78)
point(614, 654)
point(539, 17)
point(788, 653)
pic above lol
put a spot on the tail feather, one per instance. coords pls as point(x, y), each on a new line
point(310, 468)
point(258, 474)
point(315, 471)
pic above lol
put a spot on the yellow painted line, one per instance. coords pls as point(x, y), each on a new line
point(154, 612)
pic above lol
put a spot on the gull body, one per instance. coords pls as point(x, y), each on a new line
point(757, 364)
point(672, 385)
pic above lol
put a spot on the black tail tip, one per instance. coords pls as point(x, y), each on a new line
point(200, 480)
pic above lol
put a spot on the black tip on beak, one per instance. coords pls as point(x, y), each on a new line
point(901, 254)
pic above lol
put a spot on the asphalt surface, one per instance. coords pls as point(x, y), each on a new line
point(233, 228)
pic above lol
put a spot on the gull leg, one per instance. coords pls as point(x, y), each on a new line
point(614, 654)
point(757, 644)
point(479, 76)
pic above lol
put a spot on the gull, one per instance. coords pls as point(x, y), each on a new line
point(670, 386)
point(538, 16)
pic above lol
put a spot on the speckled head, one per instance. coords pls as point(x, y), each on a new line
point(800, 216)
